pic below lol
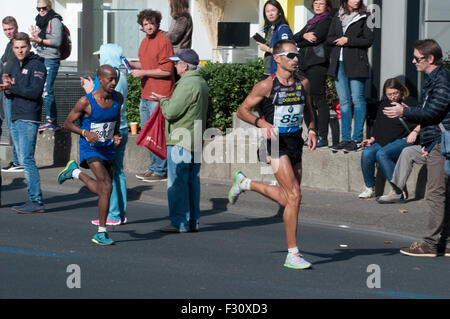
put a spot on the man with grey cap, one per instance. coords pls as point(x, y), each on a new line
point(185, 114)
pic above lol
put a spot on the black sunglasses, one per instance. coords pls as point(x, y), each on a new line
point(289, 55)
point(418, 59)
point(39, 9)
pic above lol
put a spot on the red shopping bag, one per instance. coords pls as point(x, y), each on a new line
point(152, 135)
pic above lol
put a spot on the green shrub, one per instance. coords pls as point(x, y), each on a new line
point(133, 99)
point(447, 61)
point(229, 85)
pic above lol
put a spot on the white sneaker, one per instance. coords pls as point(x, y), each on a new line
point(367, 193)
point(296, 261)
point(236, 189)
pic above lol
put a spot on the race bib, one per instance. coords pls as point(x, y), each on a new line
point(288, 118)
point(104, 131)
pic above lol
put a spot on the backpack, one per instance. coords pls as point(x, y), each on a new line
point(66, 44)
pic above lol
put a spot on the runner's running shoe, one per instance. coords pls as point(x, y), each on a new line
point(102, 239)
point(296, 261)
point(236, 189)
point(66, 173)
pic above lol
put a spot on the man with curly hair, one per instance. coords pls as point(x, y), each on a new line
point(155, 69)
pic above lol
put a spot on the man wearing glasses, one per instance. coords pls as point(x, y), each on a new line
point(433, 109)
point(285, 101)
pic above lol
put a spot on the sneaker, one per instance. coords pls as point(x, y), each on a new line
point(141, 176)
point(367, 193)
point(352, 146)
point(49, 125)
point(296, 261)
point(102, 239)
point(322, 143)
point(123, 220)
point(236, 189)
point(392, 197)
point(154, 178)
point(109, 222)
point(29, 208)
point(66, 173)
point(13, 168)
point(419, 250)
point(172, 229)
point(340, 146)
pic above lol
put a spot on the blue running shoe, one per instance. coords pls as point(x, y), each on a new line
point(66, 173)
point(102, 239)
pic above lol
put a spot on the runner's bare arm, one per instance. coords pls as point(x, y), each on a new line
point(117, 134)
point(83, 107)
point(309, 117)
point(260, 92)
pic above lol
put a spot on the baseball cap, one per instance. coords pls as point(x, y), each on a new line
point(186, 55)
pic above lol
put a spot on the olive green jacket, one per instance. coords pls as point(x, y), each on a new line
point(187, 106)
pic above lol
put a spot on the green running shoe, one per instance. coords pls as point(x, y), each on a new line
point(102, 239)
point(236, 189)
point(66, 173)
point(296, 261)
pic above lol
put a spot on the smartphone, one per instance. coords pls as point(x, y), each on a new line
point(259, 38)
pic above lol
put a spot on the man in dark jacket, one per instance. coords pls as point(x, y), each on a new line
point(10, 28)
point(434, 108)
point(25, 87)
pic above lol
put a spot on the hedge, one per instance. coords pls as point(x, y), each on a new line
point(228, 84)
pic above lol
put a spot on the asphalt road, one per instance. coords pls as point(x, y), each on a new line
point(235, 255)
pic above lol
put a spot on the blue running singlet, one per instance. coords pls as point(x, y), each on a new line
point(102, 122)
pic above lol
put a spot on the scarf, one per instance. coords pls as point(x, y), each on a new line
point(42, 22)
point(346, 18)
point(316, 19)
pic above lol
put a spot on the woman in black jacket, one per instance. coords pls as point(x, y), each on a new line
point(313, 61)
point(350, 39)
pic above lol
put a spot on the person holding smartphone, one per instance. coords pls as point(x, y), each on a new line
point(389, 137)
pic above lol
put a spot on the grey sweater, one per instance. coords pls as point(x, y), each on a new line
point(54, 33)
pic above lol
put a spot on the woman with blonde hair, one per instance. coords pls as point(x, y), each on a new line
point(389, 137)
point(47, 37)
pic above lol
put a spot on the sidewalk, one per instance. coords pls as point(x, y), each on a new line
point(318, 206)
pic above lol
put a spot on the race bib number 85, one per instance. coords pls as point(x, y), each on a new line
point(288, 118)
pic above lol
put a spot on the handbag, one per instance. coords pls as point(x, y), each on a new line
point(153, 135)
point(445, 147)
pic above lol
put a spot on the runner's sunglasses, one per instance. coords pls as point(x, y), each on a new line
point(289, 55)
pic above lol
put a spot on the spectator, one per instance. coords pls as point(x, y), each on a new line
point(10, 28)
point(47, 38)
point(180, 31)
point(314, 62)
point(276, 28)
point(156, 72)
point(24, 87)
point(186, 112)
point(111, 54)
point(388, 139)
point(350, 39)
point(410, 155)
point(433, 109)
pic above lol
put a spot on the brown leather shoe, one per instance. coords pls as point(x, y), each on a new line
point(154, 178)
point(419, 250)
point(146, 174)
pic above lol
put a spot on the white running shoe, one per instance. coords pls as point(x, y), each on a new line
point(367, 193)
point(296, 261)
point(236, 189)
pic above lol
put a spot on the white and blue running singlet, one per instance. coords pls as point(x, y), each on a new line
point(102, 121)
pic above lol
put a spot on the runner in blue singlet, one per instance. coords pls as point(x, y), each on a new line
point(99, 113)
point(285, 103)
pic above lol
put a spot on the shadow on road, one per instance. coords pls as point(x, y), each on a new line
point(347, 254)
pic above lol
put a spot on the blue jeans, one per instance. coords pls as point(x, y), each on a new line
point(157, 165)
point(385, 156)
point(52, 66)
point(348, 90)
point(118, 200)
point(24, 136)
point(7, 103)
point(183, 188)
